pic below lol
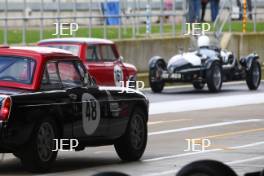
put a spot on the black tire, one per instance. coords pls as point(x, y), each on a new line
point(198, 85)
point(33, 156)
point(206, 168)
point(111, 174)
point(214, 77)
point(131, 146)
point(253, 76)
point(155, 81)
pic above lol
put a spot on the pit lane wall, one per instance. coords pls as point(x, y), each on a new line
point(139, 51)
point(243, 44)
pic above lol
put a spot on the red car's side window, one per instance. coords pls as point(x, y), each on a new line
point(69, 74)
point(107, 53)
point(100, 53)
point(93, 53)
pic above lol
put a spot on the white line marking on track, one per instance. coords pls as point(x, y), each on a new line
point(205, 103)
point(245, 160)
point(204, 126)
point(233, 83)
point(173, 171)
point(248, 145)
point(167, 121)
point(203, 152)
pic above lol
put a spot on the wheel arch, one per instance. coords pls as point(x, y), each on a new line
point(142, 106)
point(249, 59)
point(210, 62)
point(43, 113)
point(152, 62)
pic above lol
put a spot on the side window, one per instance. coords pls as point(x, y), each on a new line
point(86, 78)
point(93, 53)
point(70, 77)
point(53, 73)
point(50, 79)
point(107, 53)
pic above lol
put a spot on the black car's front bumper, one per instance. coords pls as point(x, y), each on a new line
point(184, 75)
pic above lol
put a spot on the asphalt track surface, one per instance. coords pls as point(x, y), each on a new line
point(232, 120)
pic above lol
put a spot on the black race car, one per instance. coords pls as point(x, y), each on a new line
point(208, 65)
point(46, 95)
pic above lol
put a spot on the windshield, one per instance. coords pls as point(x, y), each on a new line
point(16, 69)
point(74, 49)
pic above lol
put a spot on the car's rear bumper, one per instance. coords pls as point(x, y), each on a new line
point(4, 148)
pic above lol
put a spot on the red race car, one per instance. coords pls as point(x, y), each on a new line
point(99, 56)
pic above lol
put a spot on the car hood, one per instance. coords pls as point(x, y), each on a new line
point(184, 59)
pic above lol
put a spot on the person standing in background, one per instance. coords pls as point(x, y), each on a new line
point(249, 8)
point(168, 7)
point(214, 9)
point(194, 10)
point(204, 4)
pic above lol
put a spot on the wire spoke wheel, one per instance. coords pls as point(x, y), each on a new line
point(45, 142)
point(217, 77)
point(255, 75)
point(137, 132)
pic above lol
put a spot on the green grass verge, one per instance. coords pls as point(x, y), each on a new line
point(32, 35)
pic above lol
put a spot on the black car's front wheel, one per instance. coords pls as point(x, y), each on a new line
point(214, 77)
point(131, 146)
point(155, 77)
point(38, 155)
point(253, 76)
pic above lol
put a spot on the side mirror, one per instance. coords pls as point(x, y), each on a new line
point(121, 58)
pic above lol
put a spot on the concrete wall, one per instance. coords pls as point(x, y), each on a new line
point(243, 44)
point(139, 51)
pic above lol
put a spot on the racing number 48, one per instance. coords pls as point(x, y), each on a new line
point(91, 110)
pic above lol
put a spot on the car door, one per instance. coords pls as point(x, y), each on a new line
point(114, 72)
point(89, 105)
point(53, 94)
point(94, 63)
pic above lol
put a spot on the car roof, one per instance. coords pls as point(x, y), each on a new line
point(77, 40)
point(33, 50)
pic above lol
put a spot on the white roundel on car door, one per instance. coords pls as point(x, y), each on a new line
point(90, 113)
point(118, 75)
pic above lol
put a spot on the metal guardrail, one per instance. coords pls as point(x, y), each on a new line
point(140, 11)
point(227, 4)
point(91, 5)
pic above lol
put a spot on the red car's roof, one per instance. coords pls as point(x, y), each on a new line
point(77, 40)
point(41, 55)
point(34, 50)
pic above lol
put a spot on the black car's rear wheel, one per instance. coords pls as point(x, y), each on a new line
point(214, 77)
point(253, 77)
point(198, 85)
point(155, 77)
point(131, 146)
point(38, 156)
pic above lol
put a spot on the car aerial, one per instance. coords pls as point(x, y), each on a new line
point(46, 95)
point(208, 65)
point(100, 57)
